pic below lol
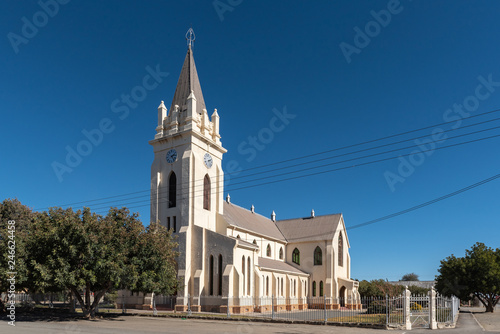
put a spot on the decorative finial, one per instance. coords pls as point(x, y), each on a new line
point(273, 216)
point(228, 198)
point(252, 208)
point(190, 37)
point(312, 213)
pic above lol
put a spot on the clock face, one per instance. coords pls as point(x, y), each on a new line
point(171, 156)
point(207, 158)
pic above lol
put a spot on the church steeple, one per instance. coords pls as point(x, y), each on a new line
point(188, 81)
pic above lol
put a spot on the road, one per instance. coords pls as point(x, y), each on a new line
point(138, 324)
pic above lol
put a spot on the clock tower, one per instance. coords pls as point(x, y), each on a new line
point(186, 174)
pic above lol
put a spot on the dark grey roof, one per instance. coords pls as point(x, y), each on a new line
point(309, 228)
point(245, 219)
point(188, 80)
point(278, 265)
point(421, 284)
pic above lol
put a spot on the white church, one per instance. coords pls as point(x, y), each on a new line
point(231, 256)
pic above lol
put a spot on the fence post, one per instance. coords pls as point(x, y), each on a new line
point(432, 309)
point(272, 306)
point(324, 304)
point(228, 312)
point(407, 300)
point(123, 303)
point(386, 309)
point(189, 304)
point(155, 311)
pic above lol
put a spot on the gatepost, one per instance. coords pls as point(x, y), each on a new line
point(432, 309)
point(407, 309)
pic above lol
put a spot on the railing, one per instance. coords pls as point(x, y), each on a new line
point(402, 312)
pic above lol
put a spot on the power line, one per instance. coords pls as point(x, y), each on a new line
point(416, 207)
point(180, 189)
point(326, 171)
point(303, 157)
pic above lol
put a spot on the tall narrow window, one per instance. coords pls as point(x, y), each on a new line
point(243, 274)
point(249, 276)
point(267, 286)
point(206, 193)
point(175, 223)
point(321, 289)
point(314, 289)
point(168, 223)
point(211, 275)
point(268, 250)
point(220, 274)
point(341, 250)
point(281, 286)
point(172, 190)
point(318, 256)
point(296, 256)
point(281, 253)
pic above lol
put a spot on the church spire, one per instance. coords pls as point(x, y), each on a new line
point(188, 80)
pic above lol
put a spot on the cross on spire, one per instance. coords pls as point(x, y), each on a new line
point(190, 37)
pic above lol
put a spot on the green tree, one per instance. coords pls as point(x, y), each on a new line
point(477, 274)
point(84, 252)
point(379, 288)
point(409, 277)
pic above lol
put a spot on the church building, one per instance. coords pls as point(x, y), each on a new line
point(232, 256)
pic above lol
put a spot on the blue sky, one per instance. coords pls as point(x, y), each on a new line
point(414, 64)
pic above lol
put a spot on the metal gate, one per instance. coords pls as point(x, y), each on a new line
point(419, 311)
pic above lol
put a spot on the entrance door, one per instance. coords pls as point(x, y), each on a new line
point(342, 296)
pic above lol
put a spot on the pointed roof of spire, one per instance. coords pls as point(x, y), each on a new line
point(188, 81)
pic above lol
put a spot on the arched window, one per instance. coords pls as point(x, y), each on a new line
point(220, 274)
point(318, 256)
point(268, 250)
point(267, 286)
point(296, 256)
point(172, 190)
point(282, 286)
point(211, 275)
point(281, 253)
point(206, 193)
point(321, 289)
point(314, 289)
point(341, 250)
point(249, 274)
point(243, 274)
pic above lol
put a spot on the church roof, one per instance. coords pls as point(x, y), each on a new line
point(309, 228)
point(251, 221)
point(188, 81)
point(275, 265)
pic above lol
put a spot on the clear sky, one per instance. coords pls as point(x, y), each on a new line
point(344, 72)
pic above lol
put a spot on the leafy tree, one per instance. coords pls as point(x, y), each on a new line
point(477, 274)
point(84, 252)
point(379, 288)
point(409, 277)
